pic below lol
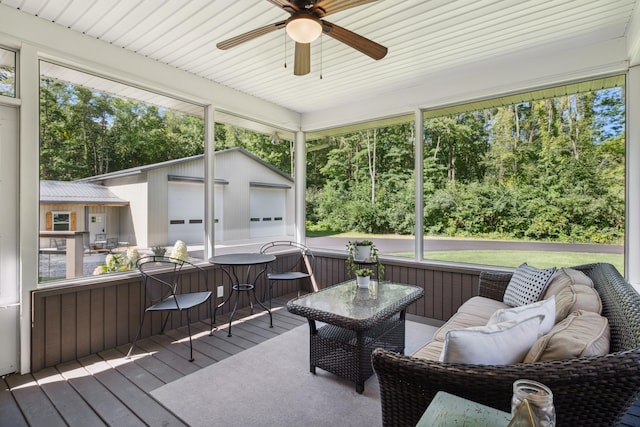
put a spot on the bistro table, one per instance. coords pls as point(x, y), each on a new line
point(357, 321)
point(232, 265)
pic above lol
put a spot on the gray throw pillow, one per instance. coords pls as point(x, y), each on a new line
point(527, 285)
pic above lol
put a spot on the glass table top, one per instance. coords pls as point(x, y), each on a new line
point(349, 301)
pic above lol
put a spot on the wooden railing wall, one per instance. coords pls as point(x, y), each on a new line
point(70, 322)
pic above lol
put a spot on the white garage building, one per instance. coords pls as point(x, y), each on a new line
point(253, 200)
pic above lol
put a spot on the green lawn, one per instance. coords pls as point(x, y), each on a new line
point(538, 259)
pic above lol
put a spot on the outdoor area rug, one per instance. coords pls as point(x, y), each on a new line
point(270, 385)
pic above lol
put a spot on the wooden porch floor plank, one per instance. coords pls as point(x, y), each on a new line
point(9, 410)
point(73, 409)
point(219, 341)
point(33, 402)
point(103, 402)
point(154, 366)
point(167, 356)
point(139, 402)
point(142, 378)
point(181, 351)
point(203, 346)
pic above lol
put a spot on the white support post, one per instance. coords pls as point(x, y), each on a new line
point(29, 184)
point(209, 179)
point(419, 185)
point(632, 234)
point(300, 177)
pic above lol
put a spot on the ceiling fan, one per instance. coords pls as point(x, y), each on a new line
point(306, 24)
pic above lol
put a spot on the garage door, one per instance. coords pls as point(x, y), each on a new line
point(267, 212)
point(186, 212)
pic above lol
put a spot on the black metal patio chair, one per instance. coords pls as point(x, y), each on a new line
point(161, 277)
point(289, 268)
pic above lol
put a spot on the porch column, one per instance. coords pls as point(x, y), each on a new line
point(75, 253)
point(300, 177)
point(632, 235)
point(419, 190)
point(209, 179)
point(29, 80)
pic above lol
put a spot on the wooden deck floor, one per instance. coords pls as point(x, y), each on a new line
point(106, 389)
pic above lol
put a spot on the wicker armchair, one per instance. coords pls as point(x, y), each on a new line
point(593, 391)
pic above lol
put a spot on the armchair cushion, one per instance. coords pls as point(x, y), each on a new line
point(527, 285)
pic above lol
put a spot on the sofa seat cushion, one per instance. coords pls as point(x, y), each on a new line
point(430, 351)
point(482, 306)
point(581, 334)
point(474, 312)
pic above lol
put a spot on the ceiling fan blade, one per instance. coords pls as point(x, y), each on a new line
point(359, 43)
point(289, 6)
point(326, 7)
point(302, 61)
point(237, 40)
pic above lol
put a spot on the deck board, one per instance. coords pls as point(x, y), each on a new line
point(69, 404)
point(33, 402)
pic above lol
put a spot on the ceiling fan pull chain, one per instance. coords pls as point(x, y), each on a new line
point(320, 56)
point(285, 50)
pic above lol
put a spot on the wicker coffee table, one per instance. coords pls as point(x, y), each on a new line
point(357, 321)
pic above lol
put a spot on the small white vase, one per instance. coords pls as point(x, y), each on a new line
point(363, 281)
point(362, 253)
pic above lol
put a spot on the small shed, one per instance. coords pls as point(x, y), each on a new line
point(72, 207)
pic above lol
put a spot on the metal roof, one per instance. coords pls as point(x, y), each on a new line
point(168, 163)
point(77, 193)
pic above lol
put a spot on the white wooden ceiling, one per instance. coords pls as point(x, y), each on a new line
point(423, 37)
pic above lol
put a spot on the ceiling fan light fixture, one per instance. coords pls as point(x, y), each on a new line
point(304, 29)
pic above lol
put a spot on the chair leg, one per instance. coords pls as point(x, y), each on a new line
point(164, 324)
point(211, 316)
point(128, 356)
point(189, 330)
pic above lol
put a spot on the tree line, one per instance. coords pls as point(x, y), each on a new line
point(550, 169)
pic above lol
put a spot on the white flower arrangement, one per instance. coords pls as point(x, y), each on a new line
point(179, 251)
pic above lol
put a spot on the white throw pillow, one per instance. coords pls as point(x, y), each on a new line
point(547, 308)
point(527, 285)
point(500, 344)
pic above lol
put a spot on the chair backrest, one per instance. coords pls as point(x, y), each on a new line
point(112, 243)
point(303, 261)
point(160, 276)
point(60, 244)
point(100, 237)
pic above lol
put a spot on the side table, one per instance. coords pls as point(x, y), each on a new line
point(230, 264)
point(448, 410)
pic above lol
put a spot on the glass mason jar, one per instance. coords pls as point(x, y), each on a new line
point(540, 400)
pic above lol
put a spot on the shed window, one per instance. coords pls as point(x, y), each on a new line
point(61, 221)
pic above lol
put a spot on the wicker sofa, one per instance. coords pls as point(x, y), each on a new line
point(589, 391)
